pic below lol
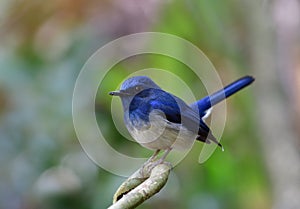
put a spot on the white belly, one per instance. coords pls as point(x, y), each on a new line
point(162, 134)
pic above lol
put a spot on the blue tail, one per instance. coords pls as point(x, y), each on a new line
point(207, 102)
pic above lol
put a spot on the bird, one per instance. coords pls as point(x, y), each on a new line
point(161, 121)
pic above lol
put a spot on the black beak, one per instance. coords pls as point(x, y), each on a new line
point(117, 93)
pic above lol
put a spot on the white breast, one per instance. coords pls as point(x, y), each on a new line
point(161, 134)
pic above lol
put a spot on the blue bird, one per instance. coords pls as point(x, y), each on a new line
point(159, 120)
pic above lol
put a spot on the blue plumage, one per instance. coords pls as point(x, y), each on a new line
point(155, 117)
point(207, 102)
point(149, 99)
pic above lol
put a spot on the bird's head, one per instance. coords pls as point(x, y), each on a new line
point(132, 86)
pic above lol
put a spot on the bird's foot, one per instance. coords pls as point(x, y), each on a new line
point(152, 162)
point(149, 166)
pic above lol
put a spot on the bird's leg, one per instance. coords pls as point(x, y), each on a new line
point(153, 157)
point(162, 159)
point(151, 163)
point(165, 155)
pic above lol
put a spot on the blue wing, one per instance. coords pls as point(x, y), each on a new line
point(150, 99)
point(174, 109)
point(207, 102)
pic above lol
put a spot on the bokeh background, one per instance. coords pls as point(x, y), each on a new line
point(43, 46)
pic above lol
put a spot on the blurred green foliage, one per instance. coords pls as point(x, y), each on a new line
point(44, 46)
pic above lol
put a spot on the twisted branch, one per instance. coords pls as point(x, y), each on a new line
point(140, 186)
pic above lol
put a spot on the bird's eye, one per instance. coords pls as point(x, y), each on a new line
point(137, 88)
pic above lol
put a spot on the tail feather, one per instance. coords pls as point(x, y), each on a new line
point(204, 104)
point(207, 102)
